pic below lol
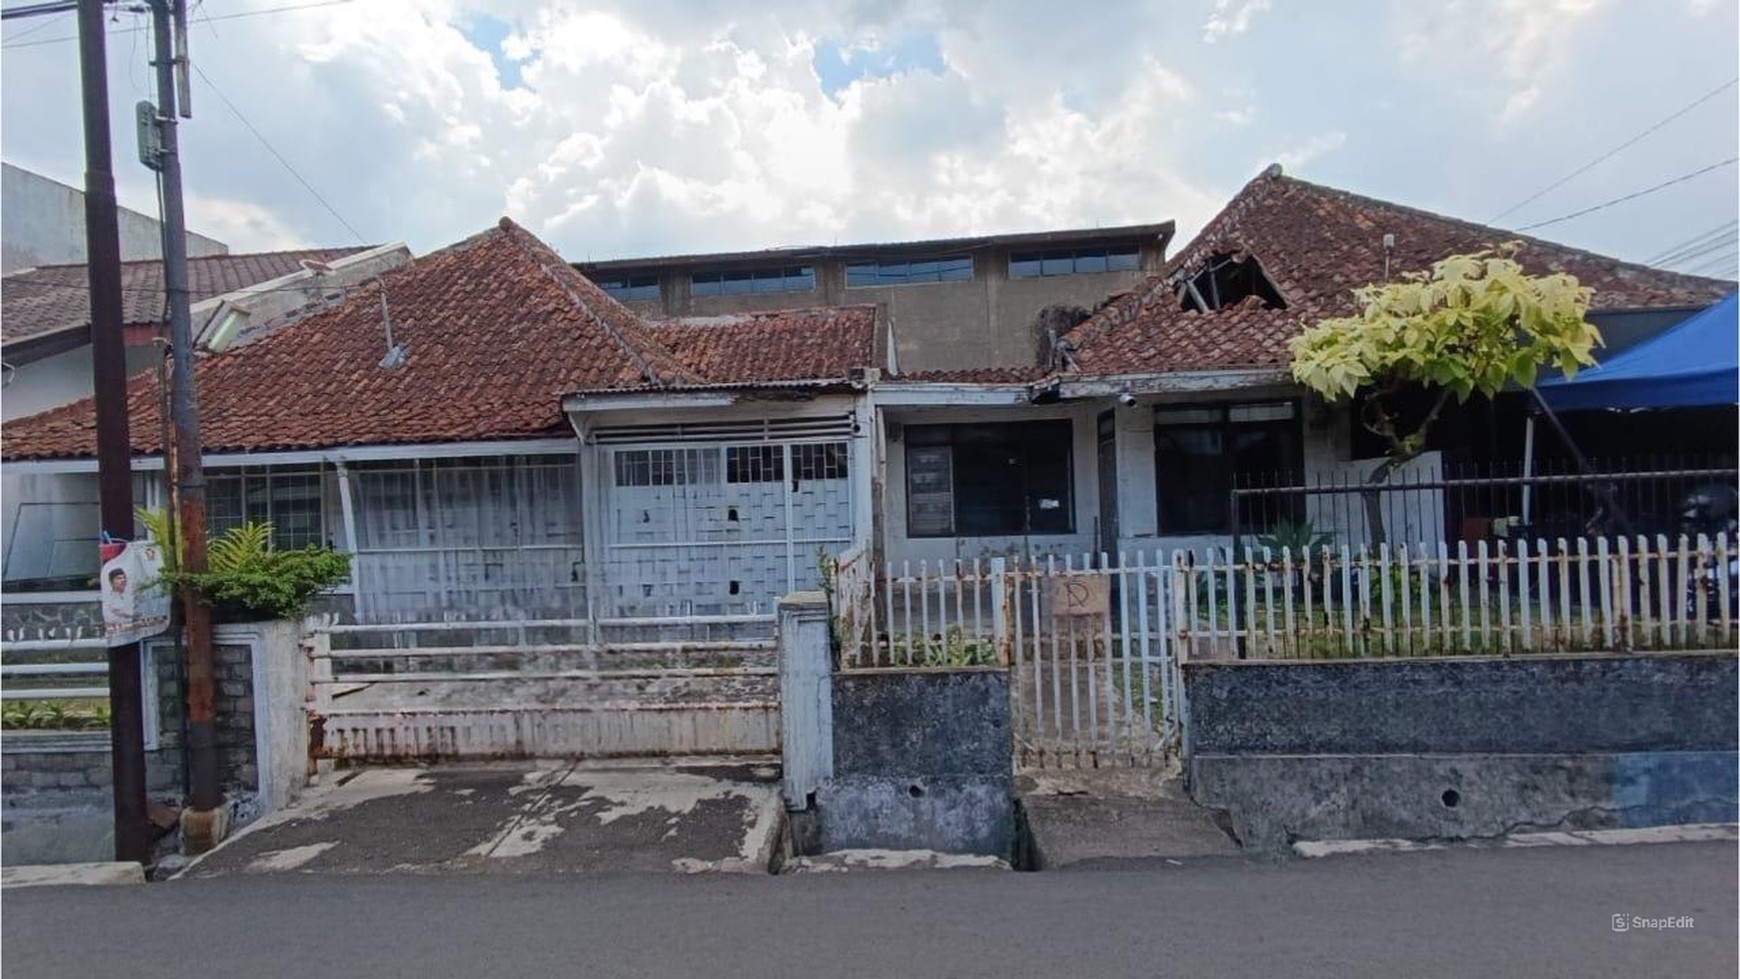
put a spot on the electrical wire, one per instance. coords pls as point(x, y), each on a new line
point(1674, 252)
point(1682, 178)
point(1702, 254)
point(277, 155)
point(47, 22)
point(245, 13)
point(1585, 168)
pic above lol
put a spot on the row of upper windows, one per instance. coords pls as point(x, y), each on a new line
point(947, 268)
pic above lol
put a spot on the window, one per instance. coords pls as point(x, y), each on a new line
point(754, 464)
point(293, 503)
point(826, 460)
point(742, 282)
point(1074, 261)
point(989, 480)
point(949, 268)
point(666, 467)
point(1200, 450)
point(629, 288)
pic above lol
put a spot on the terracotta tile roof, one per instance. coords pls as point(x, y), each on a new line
point(1317, 244)
point(821, 344)
point(53, 298)
point(496, 328)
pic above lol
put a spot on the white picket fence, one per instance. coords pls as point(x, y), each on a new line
point(1093, 643)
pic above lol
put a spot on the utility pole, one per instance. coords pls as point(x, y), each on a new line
point(114, 443)
point(203, 825)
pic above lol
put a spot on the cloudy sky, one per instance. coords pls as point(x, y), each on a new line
point(615, 129)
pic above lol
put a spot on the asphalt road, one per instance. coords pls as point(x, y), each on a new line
point(1510, 912)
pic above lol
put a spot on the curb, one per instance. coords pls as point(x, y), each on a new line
point(71, 874)
point(1690, 833)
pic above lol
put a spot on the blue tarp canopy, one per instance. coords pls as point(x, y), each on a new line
point(1694, 363)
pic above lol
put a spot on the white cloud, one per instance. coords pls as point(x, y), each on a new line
point(1525, 50)
point(1231, 17)
point(1311, 149)
point(244, 226)
point(690, 125)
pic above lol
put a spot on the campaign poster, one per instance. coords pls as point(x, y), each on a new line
point(135, 607)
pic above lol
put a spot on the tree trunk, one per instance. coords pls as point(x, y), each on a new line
point(1374, 514)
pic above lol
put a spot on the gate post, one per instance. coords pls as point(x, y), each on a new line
point(806, 710)
point(1003, 594)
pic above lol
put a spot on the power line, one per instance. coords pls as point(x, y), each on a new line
point(1585, 168)
point(129, 30)
point(277, 155)
point(38, 9)
point(1724, 252)
point(45, 25)
point(1632, 196)
point(1714, 247)
point(1724, 230)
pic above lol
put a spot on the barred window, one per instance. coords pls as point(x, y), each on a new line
point(666, 467)
point(293, 503)
point(754, 464)
point(820, 461)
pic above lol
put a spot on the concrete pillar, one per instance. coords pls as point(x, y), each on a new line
point(806, 715)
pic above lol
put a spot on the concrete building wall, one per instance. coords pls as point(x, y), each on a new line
point(984, 322)
point(42, 222)
point(59, 379)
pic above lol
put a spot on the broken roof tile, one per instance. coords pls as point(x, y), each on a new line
point(1318, 244)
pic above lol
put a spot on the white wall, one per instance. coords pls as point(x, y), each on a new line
point(42, 222)
point(1084, 479)
point(59, 379)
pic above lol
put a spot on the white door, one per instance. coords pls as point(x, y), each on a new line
point(721, 529)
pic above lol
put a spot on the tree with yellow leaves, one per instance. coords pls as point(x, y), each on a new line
point(1475, 324)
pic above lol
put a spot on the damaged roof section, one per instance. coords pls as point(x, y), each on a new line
point(493, 330)
point(1285, 253)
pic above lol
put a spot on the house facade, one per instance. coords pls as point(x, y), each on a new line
point(531, 448)
point(700, 464)
point(1174, 392)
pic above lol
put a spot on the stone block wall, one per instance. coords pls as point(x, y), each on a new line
point(56, 770)
point(1462, 748)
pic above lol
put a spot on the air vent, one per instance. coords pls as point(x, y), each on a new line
point(756, 430)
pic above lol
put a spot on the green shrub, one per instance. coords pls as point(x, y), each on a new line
point(247, 580)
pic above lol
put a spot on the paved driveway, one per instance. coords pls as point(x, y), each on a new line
point(516, 818)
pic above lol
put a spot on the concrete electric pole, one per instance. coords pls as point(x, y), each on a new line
point(204, 823)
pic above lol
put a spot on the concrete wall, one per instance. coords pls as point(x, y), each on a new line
point(60, 379)
point(1462, 748)
point(921, 760)
point(987, 321)
point(42, 222)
